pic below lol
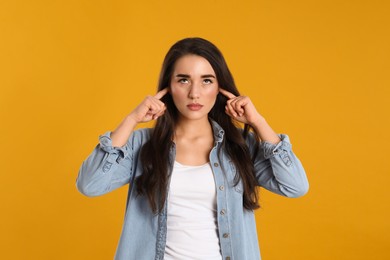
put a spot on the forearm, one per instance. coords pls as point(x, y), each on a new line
point(264, 131)
point(279, 170)
point(122, 133)
point(96, 174)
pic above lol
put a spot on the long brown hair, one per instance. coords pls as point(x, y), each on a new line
point(155, 153)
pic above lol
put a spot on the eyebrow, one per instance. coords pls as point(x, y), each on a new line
point(188, 76)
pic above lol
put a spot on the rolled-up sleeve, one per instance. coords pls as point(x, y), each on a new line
point(105, 143)
point(107, 167)
point(279, 170)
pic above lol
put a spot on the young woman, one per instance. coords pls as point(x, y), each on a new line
point(193, 177)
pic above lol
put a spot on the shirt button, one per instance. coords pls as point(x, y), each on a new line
point(223, 212)
point(221, 187)
point(227, 258)
point(216, 164)
point(226, 235)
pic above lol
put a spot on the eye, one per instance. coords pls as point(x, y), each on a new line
point(183, 80)
point(207, 81)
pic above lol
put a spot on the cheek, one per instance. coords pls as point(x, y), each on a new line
point(213, 93)
point(178, 95)
point(175, 92)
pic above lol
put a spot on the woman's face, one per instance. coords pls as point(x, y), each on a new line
point(194, 87)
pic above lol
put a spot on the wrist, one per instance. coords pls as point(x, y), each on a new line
point(258, 122)
point(132, 119)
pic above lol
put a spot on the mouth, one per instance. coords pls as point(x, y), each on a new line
point(194, 107)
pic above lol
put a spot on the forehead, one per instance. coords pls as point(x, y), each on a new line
point(193, 64)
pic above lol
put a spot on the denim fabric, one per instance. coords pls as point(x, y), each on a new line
point(144, 233)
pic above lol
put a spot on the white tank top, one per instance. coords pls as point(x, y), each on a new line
point(192, 214)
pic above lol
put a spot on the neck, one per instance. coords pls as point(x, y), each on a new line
point(193, 128)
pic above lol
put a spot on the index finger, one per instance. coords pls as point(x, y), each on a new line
point(226, 93)
point(161, 93)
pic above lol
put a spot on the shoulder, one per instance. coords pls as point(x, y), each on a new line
point(250, 137)
point(140, 136)
point(251, 140)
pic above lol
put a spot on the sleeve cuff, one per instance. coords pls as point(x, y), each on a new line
point(270, 150)
point(105, 143)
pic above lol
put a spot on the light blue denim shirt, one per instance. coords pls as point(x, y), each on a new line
point(144, 233)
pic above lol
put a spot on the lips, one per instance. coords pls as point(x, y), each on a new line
point(194, 107)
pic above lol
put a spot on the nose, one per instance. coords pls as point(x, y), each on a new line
point(194, 91)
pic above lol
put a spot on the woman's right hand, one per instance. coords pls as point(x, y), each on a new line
point(150, 108)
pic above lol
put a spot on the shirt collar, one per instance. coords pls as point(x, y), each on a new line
point(217, 130)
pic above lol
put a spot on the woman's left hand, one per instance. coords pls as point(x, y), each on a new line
point(240, 108)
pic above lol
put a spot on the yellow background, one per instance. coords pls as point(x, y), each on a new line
point(317, 70)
